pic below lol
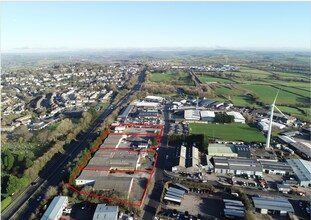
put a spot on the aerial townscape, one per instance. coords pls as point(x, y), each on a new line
point(159, 133)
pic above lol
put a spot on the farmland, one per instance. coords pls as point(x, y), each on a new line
point(231, 132)
point(181, 78)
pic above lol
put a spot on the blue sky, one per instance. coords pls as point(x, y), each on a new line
point(100, 25)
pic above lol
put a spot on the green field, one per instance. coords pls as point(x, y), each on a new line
point(229, 132)
point(31, 150)
point(267, 94)
point(162, 77)
point(210, 79)
point(173, 78)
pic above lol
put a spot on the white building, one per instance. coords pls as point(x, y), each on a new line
point(263, 126)
point(55, 209)
point(104, 212)
point(238, 117)
point(207, 116)
point(192, 115)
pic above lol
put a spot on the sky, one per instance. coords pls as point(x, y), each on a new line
point(126, 25)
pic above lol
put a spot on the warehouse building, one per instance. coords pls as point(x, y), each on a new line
point(101, 181)
point(273, 167)
point(104, 212)
point(228, 150)
point(302, 171)
point(193, 115)
point(238, 117)
point(55, 209)
point(222, 150)
point(207, 116)
point(265, 205)
point(125, 113)
point(186, 157)
point(115, 159)
point(237, 166)
point(151, 98)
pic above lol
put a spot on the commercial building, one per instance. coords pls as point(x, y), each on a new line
point(237, 166)
point(101, 181)
point(222, 150)
point(115, 159)
point(243, 151)
point(299, 147)
point(207, 116)
point(186, 157)
point(192, 115)
point(55, 209)
point(302, 171)
point(125, 113)
point(265, 205)
point(154, 99)
point(276, 167)
point(104, 212)
point(238, 117)
point(263, 126)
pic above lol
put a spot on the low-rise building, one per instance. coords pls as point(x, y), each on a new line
point(238, 117)
point(276, 167)
point(55, 209)
point(222, 150)
point(266, 205)
point(237, 166)
point(192, 115)
point(302, 171)
point(207, 116)
point(104, 212)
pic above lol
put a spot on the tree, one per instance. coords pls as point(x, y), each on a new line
point(13, 185)
point(28, 163)
point(20, 157)
point(8, 161)
point(52, 191)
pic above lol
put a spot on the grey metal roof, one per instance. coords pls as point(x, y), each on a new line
point(104, 212)
point(172, 189)
point(54, 208)
point(272, 165)
point(301, 168)
point(278, 204)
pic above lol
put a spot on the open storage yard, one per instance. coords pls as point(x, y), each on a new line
point(232, 132)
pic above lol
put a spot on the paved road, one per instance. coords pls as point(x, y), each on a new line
point(53, 175)
point(153, 200)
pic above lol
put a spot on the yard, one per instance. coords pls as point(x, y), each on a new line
point(230, 132)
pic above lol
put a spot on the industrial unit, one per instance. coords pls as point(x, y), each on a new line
point(104, 212)
point(55, 209)
point(302, 171)
point(237, 166)
point(265, 205)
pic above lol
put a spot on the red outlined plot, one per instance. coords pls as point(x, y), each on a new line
point(97, 147)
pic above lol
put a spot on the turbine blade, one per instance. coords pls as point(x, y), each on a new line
point(276, 97)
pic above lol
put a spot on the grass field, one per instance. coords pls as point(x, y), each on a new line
point(267, 94)
point(162, 77)
point(171, 77)
point(209, 79)
point(230, 132)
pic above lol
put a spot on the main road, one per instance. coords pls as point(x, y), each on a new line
point(164, 151)
point(26, 204)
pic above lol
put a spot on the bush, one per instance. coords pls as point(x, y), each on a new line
point(6, 202)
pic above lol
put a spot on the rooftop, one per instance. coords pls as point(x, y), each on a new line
point(279, 204)
point(104, 212)
point(54, 208)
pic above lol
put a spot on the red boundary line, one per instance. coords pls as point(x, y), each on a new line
point(96, 147)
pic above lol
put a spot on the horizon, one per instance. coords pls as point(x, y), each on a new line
point(33, 26)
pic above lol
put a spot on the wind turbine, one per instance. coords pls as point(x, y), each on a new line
point(271, 120)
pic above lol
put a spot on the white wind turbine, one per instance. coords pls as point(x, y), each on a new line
point(271, 119)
